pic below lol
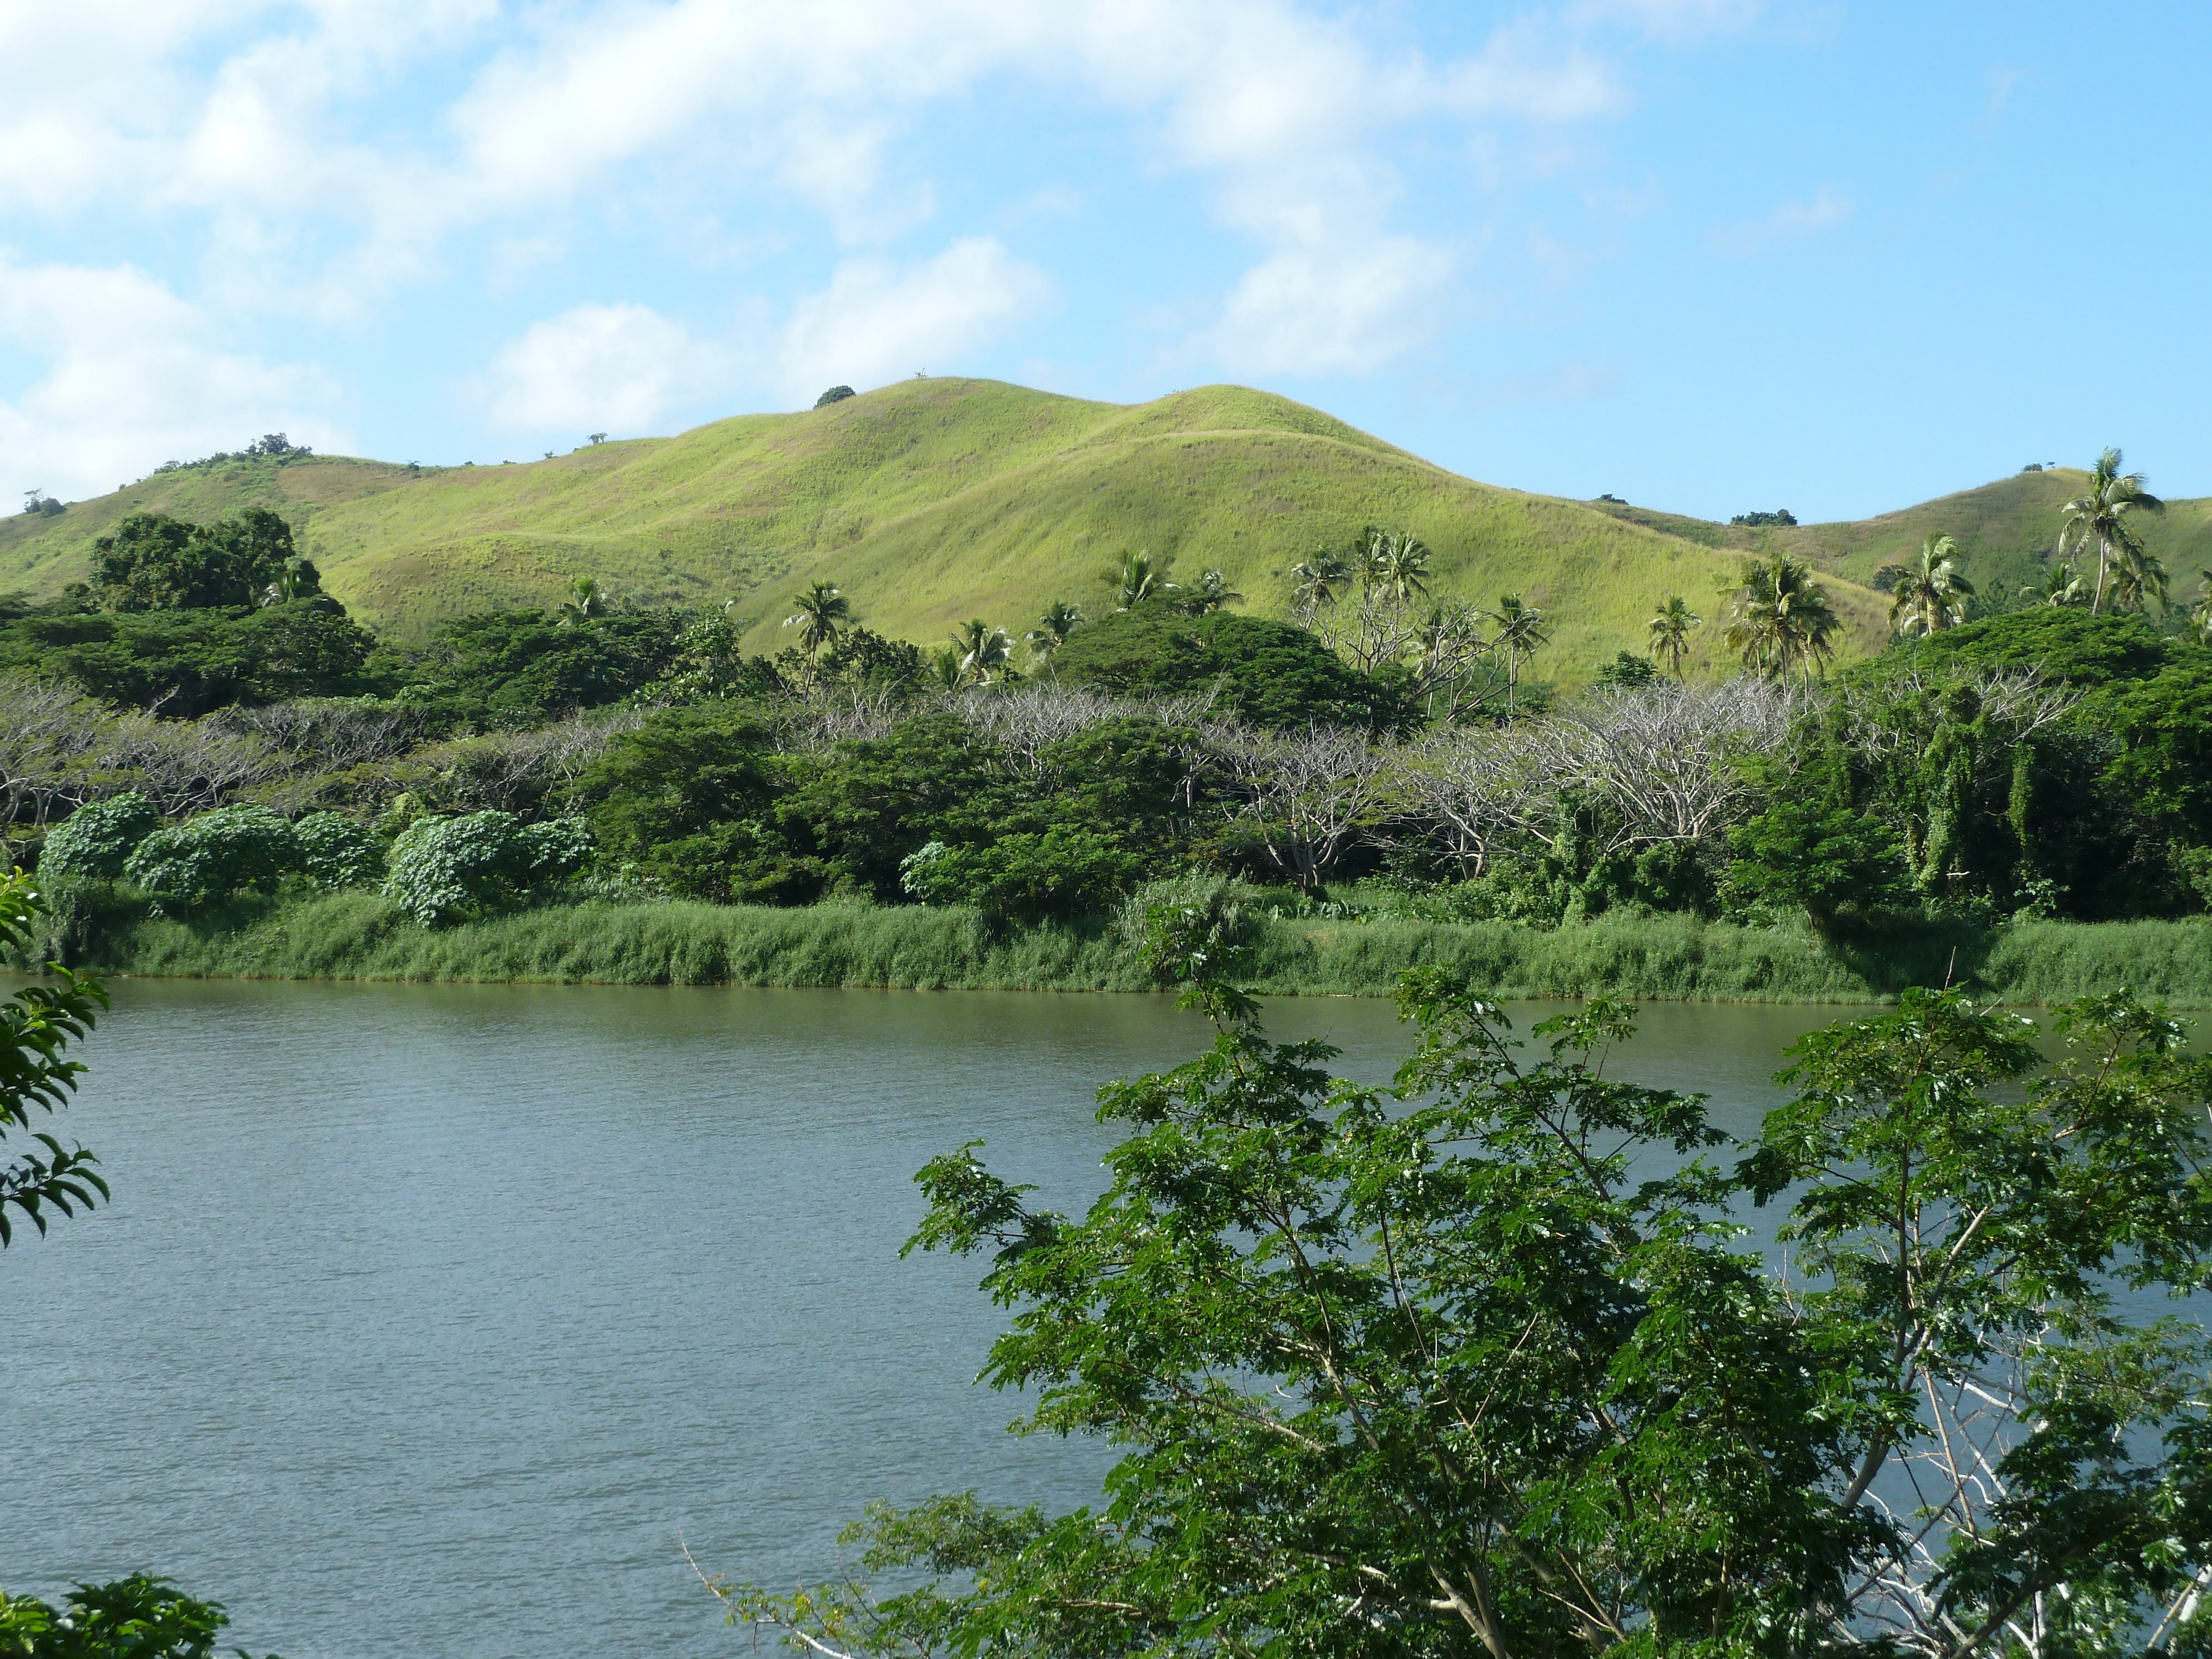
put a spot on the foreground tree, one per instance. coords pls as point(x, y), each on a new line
point(1477, 1365)
point(2102, 518)
point(1932, 593)
point(37, 1026)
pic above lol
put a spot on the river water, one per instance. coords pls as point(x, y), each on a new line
point(427, 1320)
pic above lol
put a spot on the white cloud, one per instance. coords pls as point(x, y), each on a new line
point(1313, 311)
point(131, 380)
point(1791, 222)
point(619, 367)
point(1672, 20)
point(878, 322)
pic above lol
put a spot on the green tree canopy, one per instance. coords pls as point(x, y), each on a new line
point(1270, 673)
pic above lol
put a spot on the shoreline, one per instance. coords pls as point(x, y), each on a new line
point(356, 935)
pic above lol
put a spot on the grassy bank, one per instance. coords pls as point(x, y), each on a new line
point(356, 935)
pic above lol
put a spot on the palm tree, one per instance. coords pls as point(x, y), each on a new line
point(1060, 620)
point(817, 614)
point(1138, 579)
point(1670, 631)
point(2100, 518)
point(1397, 564)
point(1521, 631)
point(585, 602)
point(2200, 614)
point(2138, 578)
point(2061, 586)
point(1211, 592)
point(1316, 584)
point(1779, 617)
point(983, 650)
point(944, 669)
point(1931, 595)
point(298, 579)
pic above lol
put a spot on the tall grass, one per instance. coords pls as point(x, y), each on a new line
point(356, 935)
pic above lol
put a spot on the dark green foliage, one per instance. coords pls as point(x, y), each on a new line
point(447, 870)
point(861, 659)
point(2061, 643)
point(689, 799)
point(836, 394)
point(95, 840)
point(1065, 871)
point(855, 813)
point(520, 668)
point(2164, 725)
point(139, 1617)
point(1628, 672)
point(155, 563)
point(190, 662)
point(1831, 861)
point(233, 849)
point(1268, 672)
point(335, 851)
point(1761, 521)
point(1480, 1361)
point(37, 1025)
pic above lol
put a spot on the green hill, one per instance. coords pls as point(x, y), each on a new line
point(933, 501)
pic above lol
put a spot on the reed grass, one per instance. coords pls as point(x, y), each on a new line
point(356, 935)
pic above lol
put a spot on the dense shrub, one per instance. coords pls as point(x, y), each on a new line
point(234, 849)
point(1063, 871)
point(98, 839)
point(1268, 672)
point(453, 869)
point(336, 851)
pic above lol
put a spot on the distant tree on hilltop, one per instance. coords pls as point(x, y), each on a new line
point(836, 394)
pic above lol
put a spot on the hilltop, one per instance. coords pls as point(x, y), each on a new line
point(932, 501)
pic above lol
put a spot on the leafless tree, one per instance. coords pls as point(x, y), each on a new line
point(331, 734)
point(517, 771)
point(54, 744)
point(1307, 794)
point(1477, 789)
point(1668, 758)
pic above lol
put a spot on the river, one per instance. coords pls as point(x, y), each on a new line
point(427, 1320)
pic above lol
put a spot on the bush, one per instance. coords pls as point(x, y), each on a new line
point(1064, 871)
point(234, 850)
point(139, 1617)
point(453, 869)
point(97, 839)
point(336, 851)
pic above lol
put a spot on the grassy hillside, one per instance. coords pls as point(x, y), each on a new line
point(931, 502)
point(2006, 532)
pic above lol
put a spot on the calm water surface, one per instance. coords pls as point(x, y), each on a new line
point(427, 1319)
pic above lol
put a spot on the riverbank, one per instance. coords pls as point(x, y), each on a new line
point(356, 935)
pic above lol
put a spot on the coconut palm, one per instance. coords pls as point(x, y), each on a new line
point(1209, 593)
point(1060, 620)
point(817, 614)
point(2138, 578)
point(2061, 586)
point(1316, 584)
point(2100, 518)
point(984, 651)
point(585, 602)
point(2200, 614)
point(943, 669)
point(1669, 629)
point(1779, 617)
point(1395, 564)
point(1137, 579)
point(1522, 630)
point(298, 579)
point(1931, 595)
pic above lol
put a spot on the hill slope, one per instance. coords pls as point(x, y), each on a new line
point(934, 500)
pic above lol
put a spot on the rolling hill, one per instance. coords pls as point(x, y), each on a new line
point(933, 501)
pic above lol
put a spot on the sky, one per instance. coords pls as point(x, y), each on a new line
point(1707, 255)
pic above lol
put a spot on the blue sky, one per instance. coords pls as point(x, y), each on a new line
point(1710, 255)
